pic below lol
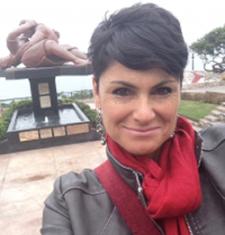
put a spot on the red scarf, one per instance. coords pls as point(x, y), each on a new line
point(172, 186)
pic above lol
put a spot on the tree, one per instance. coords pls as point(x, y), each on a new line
point(211, 48)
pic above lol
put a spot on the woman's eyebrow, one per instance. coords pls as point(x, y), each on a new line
point(165, 82)
point(123, 83)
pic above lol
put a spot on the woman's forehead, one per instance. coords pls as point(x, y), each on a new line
point(119, 72)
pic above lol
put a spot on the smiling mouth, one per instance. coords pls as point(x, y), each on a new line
point(142, 131)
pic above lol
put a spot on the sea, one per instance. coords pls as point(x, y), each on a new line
point(11, 89)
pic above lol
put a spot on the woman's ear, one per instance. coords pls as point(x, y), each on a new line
point(96, 93)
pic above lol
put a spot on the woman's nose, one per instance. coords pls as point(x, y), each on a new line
point(143, 111)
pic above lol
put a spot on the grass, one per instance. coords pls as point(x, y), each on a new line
point(195, 110)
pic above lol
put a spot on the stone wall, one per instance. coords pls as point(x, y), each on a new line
point(206, 84)
point(209, 97)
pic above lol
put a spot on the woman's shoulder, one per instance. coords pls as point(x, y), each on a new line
point(213, 137)
point(213, 159)
point(84, 182)
point(79, 205)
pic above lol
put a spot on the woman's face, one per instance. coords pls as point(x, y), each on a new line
point(139, 108)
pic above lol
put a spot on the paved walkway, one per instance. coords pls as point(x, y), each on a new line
point(26, 178)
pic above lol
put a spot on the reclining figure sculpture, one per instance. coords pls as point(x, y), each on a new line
point(36, 45)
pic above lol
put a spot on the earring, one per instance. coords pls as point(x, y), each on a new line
point(100, 127)
point(171, 135)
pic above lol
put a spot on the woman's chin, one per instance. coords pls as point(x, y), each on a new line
point(142, 151)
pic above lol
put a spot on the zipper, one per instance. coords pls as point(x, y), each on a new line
point(142, 199)
point(138, 175)
point(140, 189)
point(188, 225)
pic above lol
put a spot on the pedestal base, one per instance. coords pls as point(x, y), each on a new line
point(27, 132)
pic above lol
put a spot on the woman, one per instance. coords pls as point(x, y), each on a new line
point(158, 179)
point(36, 45)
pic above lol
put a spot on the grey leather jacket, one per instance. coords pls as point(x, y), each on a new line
point(79, 204)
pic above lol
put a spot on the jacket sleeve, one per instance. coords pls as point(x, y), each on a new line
point(56, 219)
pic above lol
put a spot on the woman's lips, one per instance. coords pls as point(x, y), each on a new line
point(142, 131)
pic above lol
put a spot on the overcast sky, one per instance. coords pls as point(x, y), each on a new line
point(76, 20)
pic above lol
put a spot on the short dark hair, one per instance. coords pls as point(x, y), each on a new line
point(140, 37)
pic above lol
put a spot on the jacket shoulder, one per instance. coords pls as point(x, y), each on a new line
point(213, 137)
point(209, 218)
point(80, 205)
point(213, 156)
point(85, 182)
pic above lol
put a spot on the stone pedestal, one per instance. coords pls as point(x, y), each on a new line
point(47, 123)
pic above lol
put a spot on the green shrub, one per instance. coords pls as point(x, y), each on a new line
point(3, 129)
point(7, 114)
point(91, 114)
point(66, 100)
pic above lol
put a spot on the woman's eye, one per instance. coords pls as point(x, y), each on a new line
point(122, 91)
point(163, 91)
